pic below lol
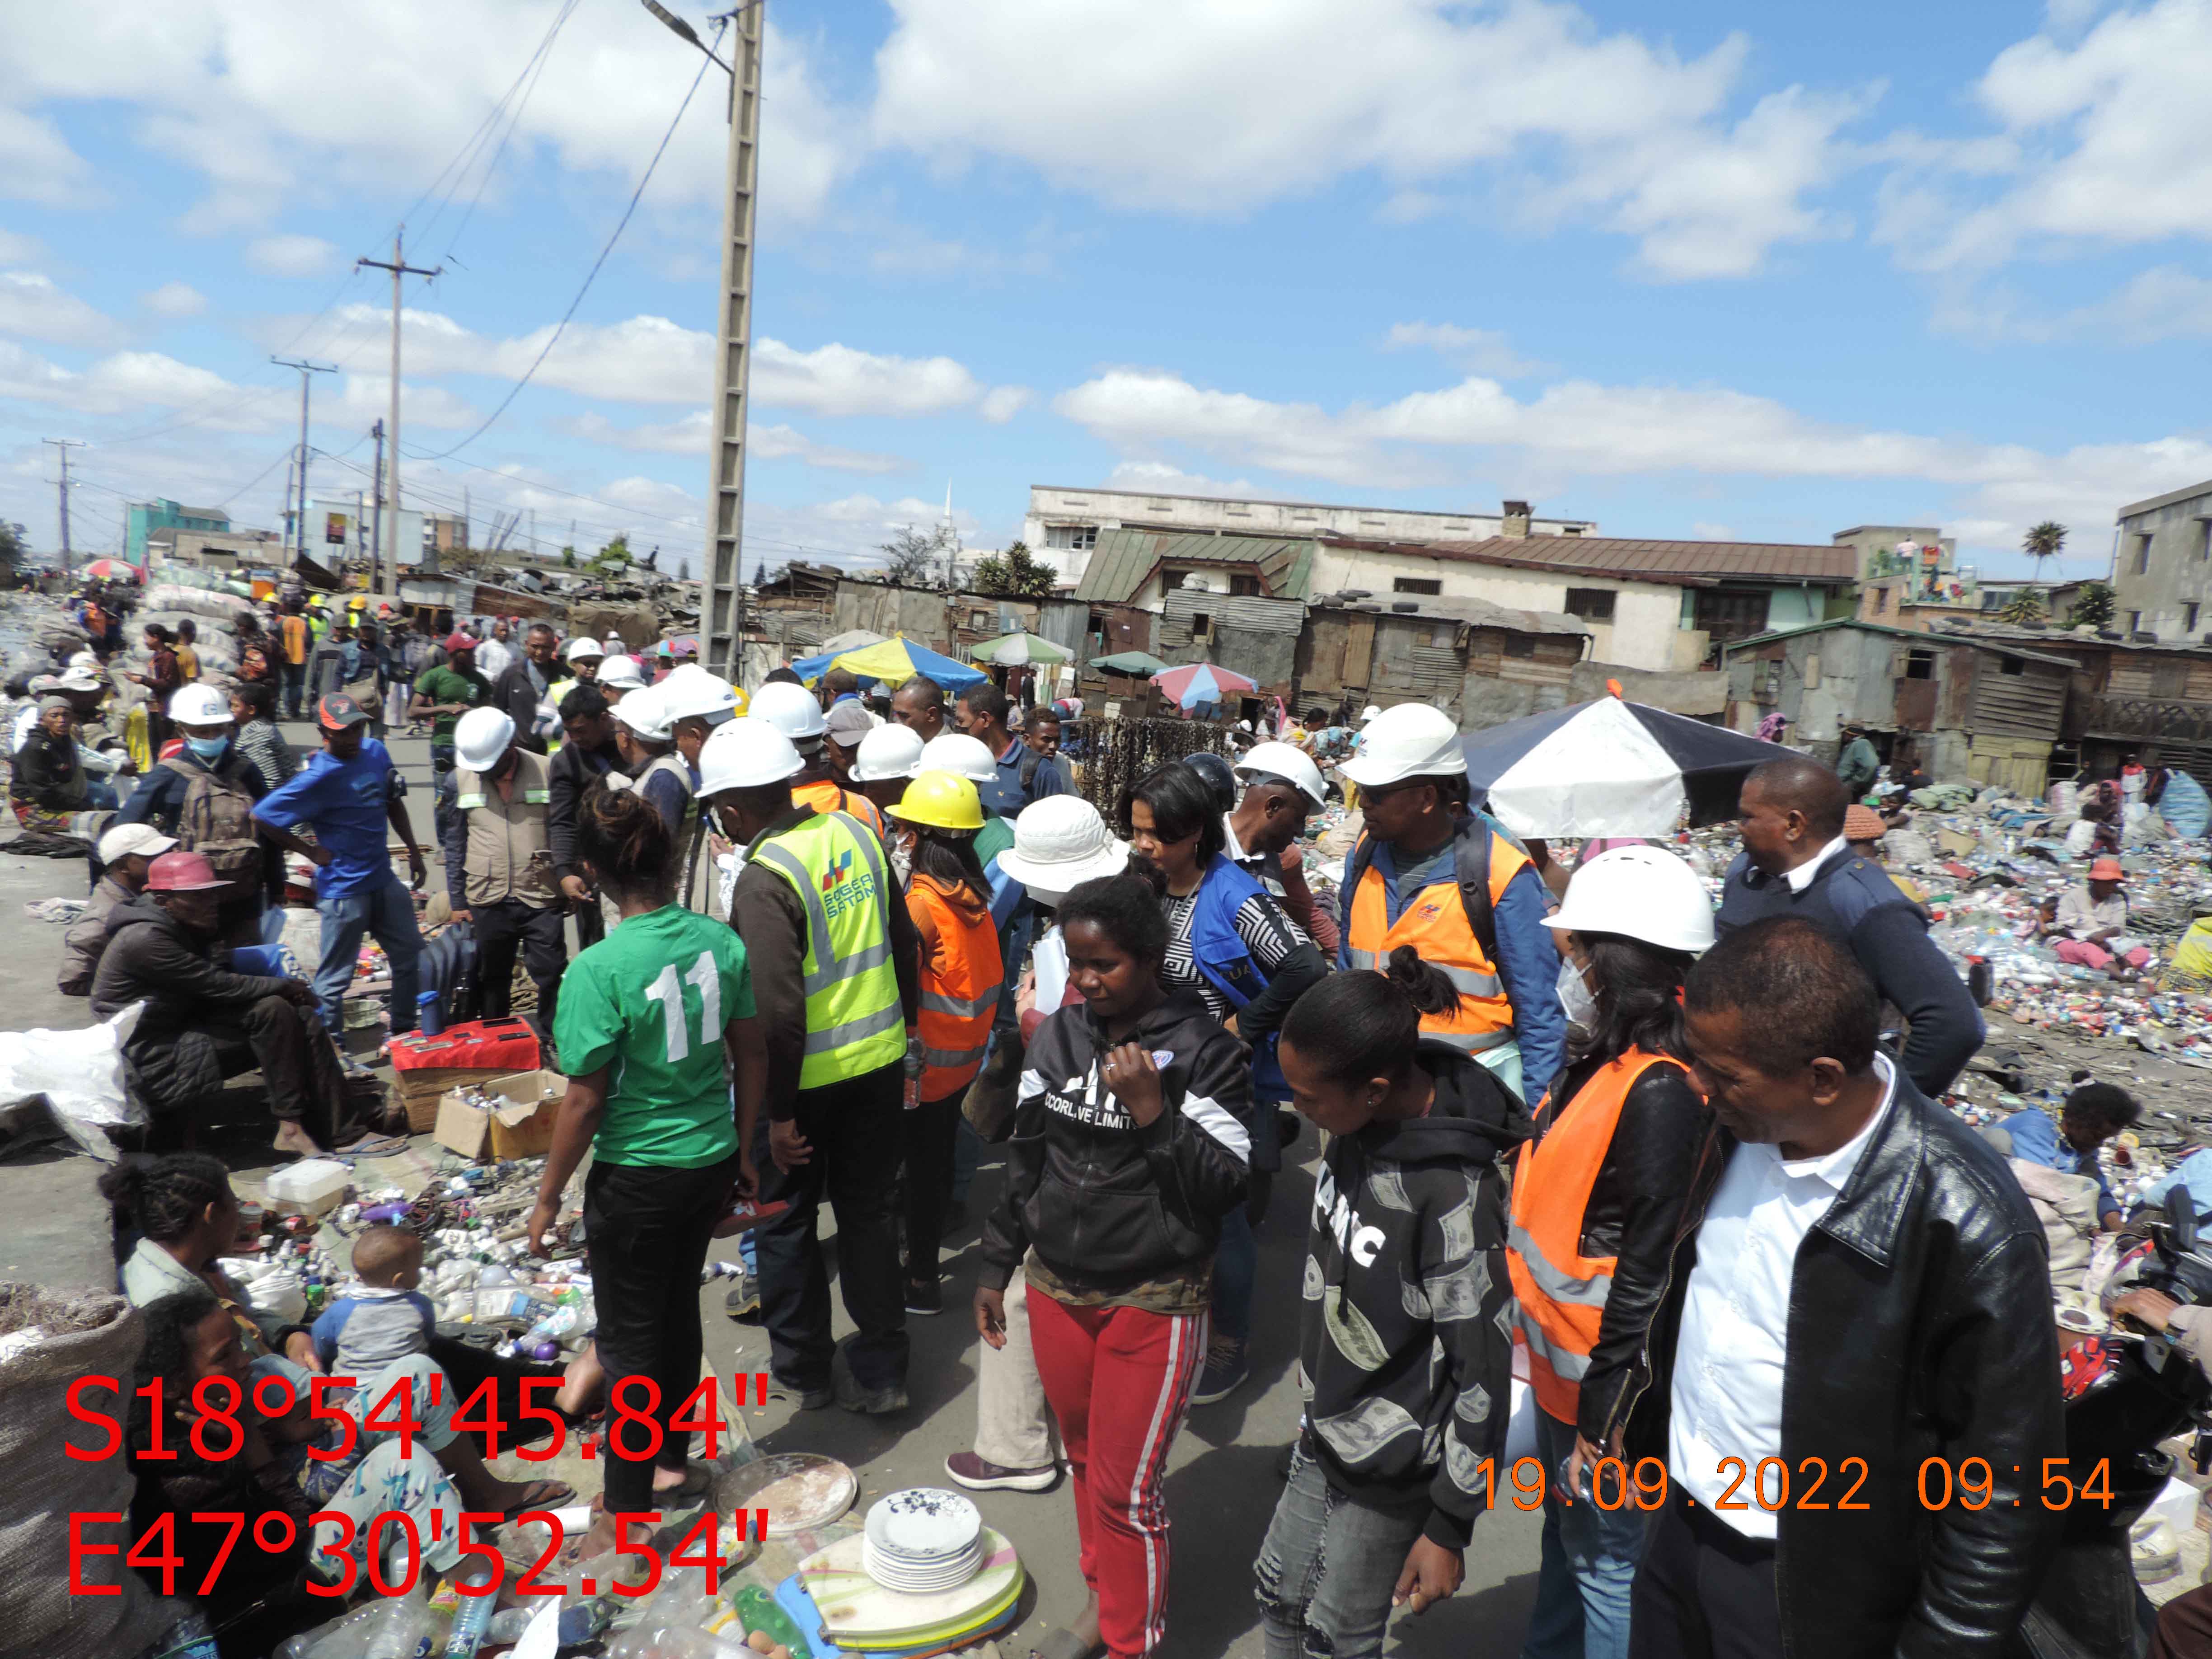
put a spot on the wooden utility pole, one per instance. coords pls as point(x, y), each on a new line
point(64, 445)
point(399, 268)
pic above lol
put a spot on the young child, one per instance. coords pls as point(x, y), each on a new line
point(383, 1316)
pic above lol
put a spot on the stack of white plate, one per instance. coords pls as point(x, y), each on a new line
point(923, 1540)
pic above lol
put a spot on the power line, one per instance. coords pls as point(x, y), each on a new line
point(535, 69)
point(515, 392)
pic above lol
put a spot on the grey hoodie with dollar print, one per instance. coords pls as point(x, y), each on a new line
point(1405, 1337)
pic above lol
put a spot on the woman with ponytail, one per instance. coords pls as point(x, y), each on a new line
point(1596, 1199)
point(646, 1017)
point(1401, 1349)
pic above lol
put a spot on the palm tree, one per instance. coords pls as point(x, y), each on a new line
point(2044, 541)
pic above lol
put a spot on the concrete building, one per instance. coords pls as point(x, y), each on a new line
point(227, 551)
point(1063, 525)
point(1988, 710)
point(2162, 566)
point(142, 518)
point(1909, 576)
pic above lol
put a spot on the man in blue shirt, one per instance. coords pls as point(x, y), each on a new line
point(982, 713)
point(2092, 1116)
point(346, 793)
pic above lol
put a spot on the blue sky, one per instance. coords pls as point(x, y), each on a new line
point(1754, 272)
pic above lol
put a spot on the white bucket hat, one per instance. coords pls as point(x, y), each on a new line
point(1059, 843)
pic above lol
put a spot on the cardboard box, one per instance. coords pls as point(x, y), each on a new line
point(523, 1127)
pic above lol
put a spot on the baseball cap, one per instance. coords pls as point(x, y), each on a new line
point(338, 711)
point(126, 839)
point(2108, 869)
point(848, 722)
point(182, 873)
point(461, 641)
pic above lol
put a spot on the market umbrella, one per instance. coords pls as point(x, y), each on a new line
point(1012, 650)
point(1197, 684)
point(112, 570)
point(895, 661)
point(1610, 768)
point(1143, 664)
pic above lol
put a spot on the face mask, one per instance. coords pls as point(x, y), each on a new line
point(1575, 995)
point(207, 749)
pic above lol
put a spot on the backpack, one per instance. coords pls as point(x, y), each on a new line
point(1471, 860)
point(216, 822)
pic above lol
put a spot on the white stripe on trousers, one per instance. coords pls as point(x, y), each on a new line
point(1181, 1376)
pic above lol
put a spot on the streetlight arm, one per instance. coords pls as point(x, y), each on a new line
point(683, 30)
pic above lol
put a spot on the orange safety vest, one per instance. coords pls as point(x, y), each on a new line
point(825, 796)
point(1562, 1291)
point(1435, 925)
point(960, 984)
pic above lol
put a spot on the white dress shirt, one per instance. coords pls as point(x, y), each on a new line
point(1801, 877)
point(1726, 1401)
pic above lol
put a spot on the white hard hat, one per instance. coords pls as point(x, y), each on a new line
point(1287, 762)
point(791, 709)
point(690, 692)
point(1059, 843)
point(743, 754)
point(621, 669)
point(1411, 740)
point(584, 649)
point(1368, 712)
point(77, 679)
point(1639, 892)
point(889, 751)
point(481, 737)
point(645, 711)
point(85, 660)
point(198, 705)
point(957, 752)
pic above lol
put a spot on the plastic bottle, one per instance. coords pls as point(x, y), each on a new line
point(396, 1634)
point(644, 1641)
point(429, 1013)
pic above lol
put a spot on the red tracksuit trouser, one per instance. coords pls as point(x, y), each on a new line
point(1119, 1380)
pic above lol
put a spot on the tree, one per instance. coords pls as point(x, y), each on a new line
point(2093, 607)
point(684, 571)
point(2024, 606)
point(910, 557)
point(760, 574)
point(2043, 541)
point(15, 547)
point(1014, 573)
point(568, 558)
point(615, 555)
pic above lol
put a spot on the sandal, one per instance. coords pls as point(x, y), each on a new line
point(698, 1484)
point(541, 1495)
point(373, 1144)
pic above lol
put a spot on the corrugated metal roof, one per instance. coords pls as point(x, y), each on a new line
point(1474, 613)
point(2003, 647)
point(1640, 560)
point(1125, 559)
point(1262, 616)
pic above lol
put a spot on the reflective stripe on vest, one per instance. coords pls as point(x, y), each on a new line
point(854, 1023)
point(960, 987)
point(824, 795)
point(1435, 923)
point(1561, 1293)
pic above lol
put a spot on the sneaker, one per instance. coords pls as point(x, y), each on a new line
point(743, 1303)
point(924, 1296)
point(1225, 1373)
point(972, 1471)
point(856, 1397)
point(807, 1400)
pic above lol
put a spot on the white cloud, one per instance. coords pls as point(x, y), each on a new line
point(691, 436)
point(277, 106)
point(32, 306)
point(1002, 402)
point(2105, 139)
point(291, 255)
point(2163, 303)
point(16, 249)
point(836, 379)
point(175, 299)
point(1479, 351)
point(127, 382)
point(1582, 428)
point(362, 398)
point(1162, 479)
point(1191, 108)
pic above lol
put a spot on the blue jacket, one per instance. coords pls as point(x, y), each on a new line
point(2037, 1140)
point(1219, 953)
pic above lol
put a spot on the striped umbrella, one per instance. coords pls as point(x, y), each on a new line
point(1013, 650)
point(1196, 685)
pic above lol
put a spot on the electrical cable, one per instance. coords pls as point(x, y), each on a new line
point(589, 277)
point(542, 57)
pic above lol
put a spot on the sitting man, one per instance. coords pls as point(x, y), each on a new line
point(2090, 929)
point(126, 853)
point(2092, 1116)
point(203, 1024)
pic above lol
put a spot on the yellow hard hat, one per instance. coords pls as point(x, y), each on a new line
point(943, 801)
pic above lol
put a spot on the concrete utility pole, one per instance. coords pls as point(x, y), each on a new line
point(376, 535)
point(722, 599)
point(307, 372)
point(399, 268)
point(64, 445)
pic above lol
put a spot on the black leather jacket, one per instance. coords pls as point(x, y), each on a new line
point(1920, 1326)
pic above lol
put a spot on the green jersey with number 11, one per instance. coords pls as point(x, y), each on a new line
point(649, 1003)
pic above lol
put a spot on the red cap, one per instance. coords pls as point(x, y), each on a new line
point(2107, 869)
point(338, 711)
point(182, 873)
point(460, 642)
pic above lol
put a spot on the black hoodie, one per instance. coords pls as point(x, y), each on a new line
point(1405, 1343)
point(1112, 1209)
